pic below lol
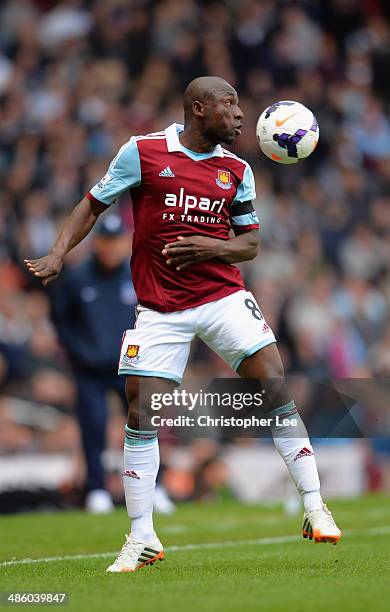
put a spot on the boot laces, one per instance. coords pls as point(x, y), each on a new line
point(130, 550)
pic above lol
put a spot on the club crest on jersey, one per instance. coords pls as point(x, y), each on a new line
point(223, 179)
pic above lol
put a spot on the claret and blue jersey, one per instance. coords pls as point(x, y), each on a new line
point(175, 192)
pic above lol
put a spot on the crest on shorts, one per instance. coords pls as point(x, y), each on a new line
point(131, 355)
point(223, 179)
point(132, 350)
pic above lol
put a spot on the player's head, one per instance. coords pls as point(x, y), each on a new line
point(213, 104)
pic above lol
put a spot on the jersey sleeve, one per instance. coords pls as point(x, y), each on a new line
point(243, 216)
point(124, 172)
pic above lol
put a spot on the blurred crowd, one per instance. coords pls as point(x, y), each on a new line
point(78, 78)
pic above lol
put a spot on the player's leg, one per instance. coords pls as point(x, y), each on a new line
point(292, 442)
point(141, 460)
point(153, 359)
point(162, 503)
point(235, 328)
point(141, 454)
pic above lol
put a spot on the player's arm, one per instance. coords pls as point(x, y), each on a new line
point(244, 222)
point(123, 173)
point(243, 247)
point(79, 223)
point(194, 249)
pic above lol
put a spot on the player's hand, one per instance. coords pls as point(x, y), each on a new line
point(187, 251)
point(47, 268)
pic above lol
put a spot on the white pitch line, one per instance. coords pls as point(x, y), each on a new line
point(184, 547)
point(203, 546)
point(52, 559)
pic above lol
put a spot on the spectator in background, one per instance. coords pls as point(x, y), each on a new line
point(92, 306)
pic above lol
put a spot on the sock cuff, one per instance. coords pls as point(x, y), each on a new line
point(138, 437)
point(285, 410)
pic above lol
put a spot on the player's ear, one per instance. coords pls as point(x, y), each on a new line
point(198, 108)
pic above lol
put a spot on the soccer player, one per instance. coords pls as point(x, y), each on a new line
point(188, 193)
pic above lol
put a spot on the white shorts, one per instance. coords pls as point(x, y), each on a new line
point(160, 343)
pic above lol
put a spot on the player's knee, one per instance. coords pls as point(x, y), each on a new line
point(274, 369)
point(132, 396)
point(139, 393)
point(132, 389)
point(265, 364)
point(276, 396)
point(273, 364)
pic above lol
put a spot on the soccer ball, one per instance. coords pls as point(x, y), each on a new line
point(287, 132)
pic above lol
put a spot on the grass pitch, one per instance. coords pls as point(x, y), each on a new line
point(219, 557)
